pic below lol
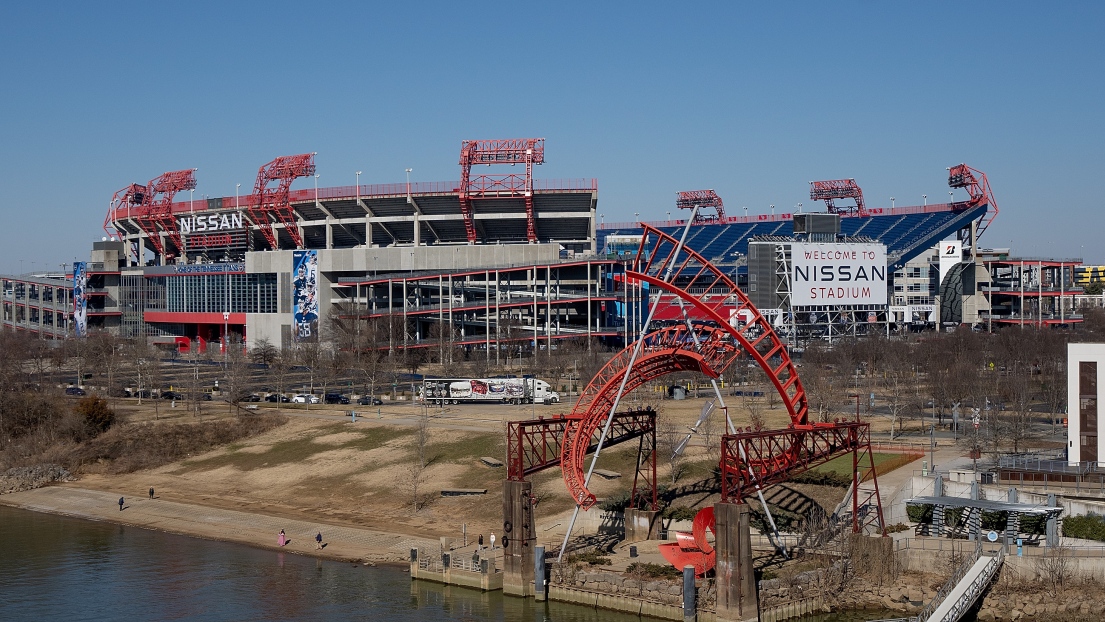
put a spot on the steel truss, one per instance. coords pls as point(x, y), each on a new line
point(528, 151)
point(267, 206)
point(689, 199)
point(154, 203)
point(535, 445)
point(705, 292)
point(773, 456)
point(976, 184)
point(721, 340)
point(833, 189)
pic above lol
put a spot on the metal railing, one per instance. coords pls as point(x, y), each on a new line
point(1047, 466)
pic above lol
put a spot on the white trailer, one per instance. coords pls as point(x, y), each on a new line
point(494, 390)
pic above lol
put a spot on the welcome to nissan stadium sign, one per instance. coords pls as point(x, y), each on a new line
point(837, 274)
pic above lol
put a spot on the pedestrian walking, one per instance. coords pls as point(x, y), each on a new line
point(151, 492)
point(121, 502)
point(282, 539)
point(481, 541)
point(492, 538)
point(318, 541)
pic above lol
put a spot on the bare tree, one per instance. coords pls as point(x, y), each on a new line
point(263, 352)
point(422, 434)
point(668, 436)
point(238, 377)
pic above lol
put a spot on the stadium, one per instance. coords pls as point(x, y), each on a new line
point(490, 259)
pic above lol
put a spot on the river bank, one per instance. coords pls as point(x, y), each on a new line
point(343, 543)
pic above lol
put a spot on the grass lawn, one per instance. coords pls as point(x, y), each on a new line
point(884, 463)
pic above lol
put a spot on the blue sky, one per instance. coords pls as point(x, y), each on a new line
point(752, 100)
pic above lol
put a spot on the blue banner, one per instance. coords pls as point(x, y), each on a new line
point(305, 295)
point(80, 298)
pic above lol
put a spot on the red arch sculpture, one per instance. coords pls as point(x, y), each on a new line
point(673, 349)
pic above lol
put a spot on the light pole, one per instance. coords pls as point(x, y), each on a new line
point(316, 188)
point(891, 202)
point(950, 197)
point(602, 221)
point(191, 201)
point(408, 170)
point(637, 217)
point(799, 208)
point(358, 186)
point(226, 339)
point(746, 211)
point(773, 211)
point(237, 187)
point(925, 197)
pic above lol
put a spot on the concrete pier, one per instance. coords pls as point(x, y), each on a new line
point(737, 598)
point(518, 539)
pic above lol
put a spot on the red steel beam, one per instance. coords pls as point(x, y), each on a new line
point(270, 205)
point(978, 187)
point(527, 151)
point(831, 190)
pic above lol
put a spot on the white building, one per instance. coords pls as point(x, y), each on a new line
point(1085, 374)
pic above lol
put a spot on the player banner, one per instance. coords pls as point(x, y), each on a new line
point(80, 298)
point(305, 295)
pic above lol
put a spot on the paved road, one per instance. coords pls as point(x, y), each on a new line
point(218, 524)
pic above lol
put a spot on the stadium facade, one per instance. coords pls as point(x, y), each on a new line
point(488, 259)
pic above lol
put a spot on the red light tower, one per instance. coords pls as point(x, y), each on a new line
point(132, 196)
point(829, 191)
point(160, 211)
point(267, 206)
point(155, 215)
point(974, 180)
point(688, 199)
point(528, 151)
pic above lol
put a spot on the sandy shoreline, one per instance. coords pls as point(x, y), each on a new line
point(343, 543)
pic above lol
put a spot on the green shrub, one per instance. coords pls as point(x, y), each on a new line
point(653, 571)
point(617, 503)
point(1087, 526)
point(823, 478)
point(994, 521)
point(921, 513)
point(679, 513)
point(1034, 524)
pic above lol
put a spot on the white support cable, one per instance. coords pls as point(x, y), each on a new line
point(625, 379)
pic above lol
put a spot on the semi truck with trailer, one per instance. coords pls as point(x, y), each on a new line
point(442, 391)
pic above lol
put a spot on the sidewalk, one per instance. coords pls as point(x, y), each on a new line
point(345, 543)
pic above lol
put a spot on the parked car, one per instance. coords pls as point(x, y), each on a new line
point(369, 400)
point(74, 391)
point(172, 395)
point(336, 398)
point(143, 393)
point(303, 398)
point(250, 397)
point(277, 398)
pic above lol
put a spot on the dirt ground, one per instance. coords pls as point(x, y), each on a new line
point(322, 466)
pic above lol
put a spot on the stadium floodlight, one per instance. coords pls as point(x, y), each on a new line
point(925, 198)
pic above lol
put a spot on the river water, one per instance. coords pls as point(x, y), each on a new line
point(59, 568)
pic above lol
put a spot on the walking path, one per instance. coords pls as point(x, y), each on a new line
point(347, 543)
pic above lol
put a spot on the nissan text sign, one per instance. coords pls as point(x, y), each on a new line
point(837, 274)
